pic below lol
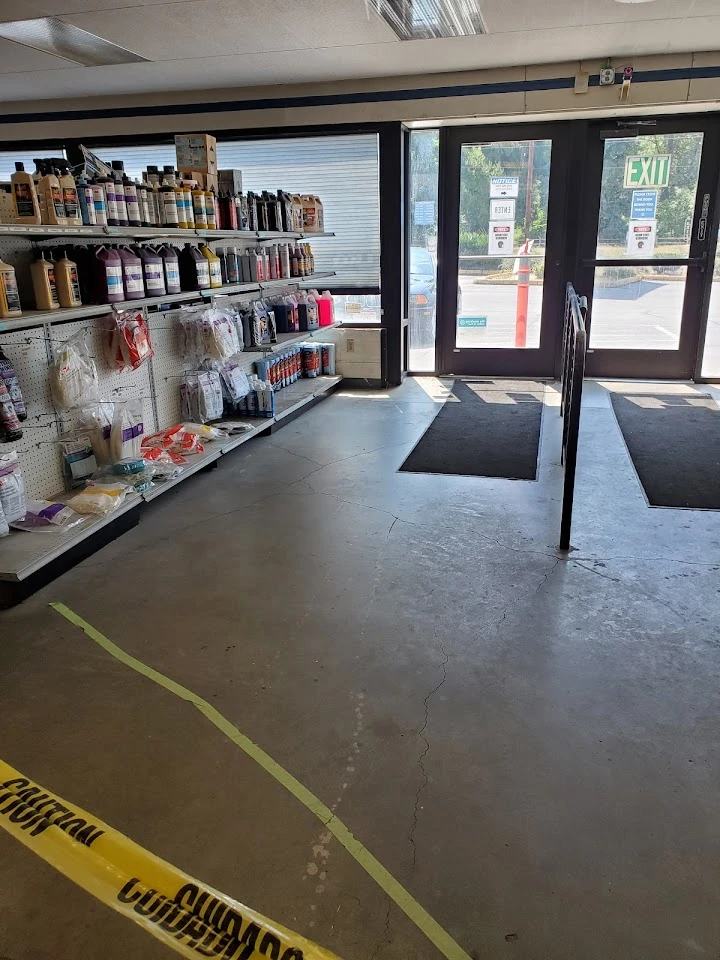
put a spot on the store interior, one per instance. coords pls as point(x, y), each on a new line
point(359, 479)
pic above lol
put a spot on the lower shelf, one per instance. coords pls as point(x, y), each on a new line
point(24, 554)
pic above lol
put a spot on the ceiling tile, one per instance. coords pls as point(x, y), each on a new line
point(17, 58)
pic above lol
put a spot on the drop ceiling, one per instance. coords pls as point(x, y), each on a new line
point(203, 44)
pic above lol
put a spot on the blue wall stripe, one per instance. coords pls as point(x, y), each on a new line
point(373, 96)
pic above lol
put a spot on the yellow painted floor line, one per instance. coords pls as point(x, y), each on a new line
point(393, 888)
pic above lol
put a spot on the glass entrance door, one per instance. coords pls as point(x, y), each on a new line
point(644, 242)
point(500, 250)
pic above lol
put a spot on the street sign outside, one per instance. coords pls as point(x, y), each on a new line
point(501, 237)
point(502, 209)
point(472, 321)
point(644, 205)
point(504, 186)
point(641, 238)
point(653, 171)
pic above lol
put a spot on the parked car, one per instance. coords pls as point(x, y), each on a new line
point(423, 296)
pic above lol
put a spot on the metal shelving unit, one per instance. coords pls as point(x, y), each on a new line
point(149, 233)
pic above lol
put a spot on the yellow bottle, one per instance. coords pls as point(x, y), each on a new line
point(214, 264)
point(198, 197)
point(26, 207)
point(180, 201)
point(9, 298)
point(44, 285)
point(66, 280)
point(210, 210)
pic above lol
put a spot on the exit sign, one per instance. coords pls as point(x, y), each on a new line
point(651, 171)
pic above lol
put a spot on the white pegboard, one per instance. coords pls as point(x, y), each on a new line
point(38, 449)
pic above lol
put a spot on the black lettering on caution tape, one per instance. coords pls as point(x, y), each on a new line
point(33, 810)
point(208, 926)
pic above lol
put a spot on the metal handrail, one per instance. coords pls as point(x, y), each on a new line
point(573, 374)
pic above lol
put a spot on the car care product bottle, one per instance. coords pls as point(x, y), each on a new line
point(233, 265)
point(132, 202)
point(52, 208)
point(199, 210)
point(132, 274)
point(26, 206)
point(9, 378)
point(87, 203)
point(210, 210)
point(68, 188)
point(194, 269)
point(9, 297)
point(67, 283)
point(118, 168)
point(153, 271)
point(106, 271)
point(42, 273)
point(171, 266)
point(214, 265)
point(100, 188)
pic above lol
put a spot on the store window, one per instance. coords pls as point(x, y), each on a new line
point(341, 170)
point(8, 158)
point(424, 164)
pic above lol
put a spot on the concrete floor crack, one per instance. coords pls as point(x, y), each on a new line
point(385, 938)
point(423, 755)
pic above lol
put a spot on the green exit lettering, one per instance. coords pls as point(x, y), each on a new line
point(651, 171)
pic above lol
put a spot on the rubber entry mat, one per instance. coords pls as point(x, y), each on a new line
point(674, 444)
point(485, 428)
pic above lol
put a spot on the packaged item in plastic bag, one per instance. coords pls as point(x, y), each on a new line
point(127, 430)
point(219, 332)
point(234, 378)
point(12, 488)
point(98, 498)
point(127, 339)
point(73, 374)
point(205, 432)
point(42, 516)
point(97, 422)
point(79, 461)
point(175, 439)
point(201, 395)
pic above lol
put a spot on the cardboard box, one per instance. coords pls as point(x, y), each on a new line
point(230, 181)
point(208, 181)
point(196, 151)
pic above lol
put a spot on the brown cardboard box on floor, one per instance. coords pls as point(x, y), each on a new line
point(196, 151)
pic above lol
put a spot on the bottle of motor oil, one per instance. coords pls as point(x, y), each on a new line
point(188, 204)
point(44, 283)
point(26, 206)
point(9, 378)
point(9, 298)
point(194, 269)
point(66, 280)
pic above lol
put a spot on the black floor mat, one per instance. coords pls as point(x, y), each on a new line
point(674, 442)
point(485, 428)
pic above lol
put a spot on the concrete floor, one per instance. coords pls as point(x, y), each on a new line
point(538, 737)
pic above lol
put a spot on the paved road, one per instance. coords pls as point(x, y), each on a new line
point(643, 315)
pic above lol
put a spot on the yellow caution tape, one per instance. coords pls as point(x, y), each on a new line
point(186, 915)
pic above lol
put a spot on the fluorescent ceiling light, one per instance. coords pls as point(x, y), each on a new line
point(432, 19)
point(50, 35)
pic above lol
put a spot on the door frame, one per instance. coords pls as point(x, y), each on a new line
point(685, 362)
point(504, 362)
